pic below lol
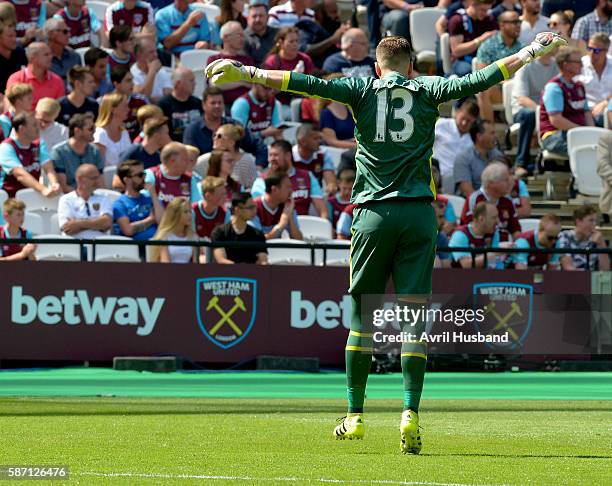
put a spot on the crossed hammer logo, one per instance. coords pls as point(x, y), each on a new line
point(502, 322)
point(226, 317)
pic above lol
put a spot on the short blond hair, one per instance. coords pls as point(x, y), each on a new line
point(17, 91)
point(192, 152)
point(11, 205)
point(211, 183)
point(148, 111)
point(171, 150)
point(49, 106)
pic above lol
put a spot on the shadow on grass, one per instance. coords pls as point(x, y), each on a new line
point(521, 456)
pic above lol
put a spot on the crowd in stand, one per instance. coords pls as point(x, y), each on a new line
point(215, 165)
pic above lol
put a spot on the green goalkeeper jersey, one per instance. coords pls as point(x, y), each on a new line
point(394, 125)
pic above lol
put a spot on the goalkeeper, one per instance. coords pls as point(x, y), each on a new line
point(394, 225)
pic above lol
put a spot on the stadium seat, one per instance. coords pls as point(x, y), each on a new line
point(3, 197)
point(58, 251)
point(98, 8)
point(290, 134)
point(423, 32)
point(334, 257)
point(212, 11)
point(507, 99)
point(289, 256)
point(528, 224)
point(35, 201)
point(457, 202)
point(54, 227)
point(81, 52)
point(314, 228)
point(200, 83)
point(109, 173)
point(583, 164)
point(197, 59)
point(117, 253)
point(607, 120)
point(34, 223)
point(296, 110)
point(109, 193)
point(336, 154)
point(579, 136)
point(445, 53)
point(545, 155)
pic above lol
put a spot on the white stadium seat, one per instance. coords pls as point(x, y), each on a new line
point(3, 197)
point(314, 228)
point(457, 202)
point(117, 253)
point(289, 256)
point(507, 99)
point(108, 174)
point(34, 223)
point(334, 257)
point(445, 53)
point(195, 59)
point(109, 193)
point(212, 11)
point(35, 201)
point(528, 224)
point(54, 228)
point(98, 8)
point(335, 153)
point(423, 32)
point(58, 251)
point(583, 163)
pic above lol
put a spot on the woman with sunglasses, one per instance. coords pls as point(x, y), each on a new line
point(221, 164)
point(561, 22)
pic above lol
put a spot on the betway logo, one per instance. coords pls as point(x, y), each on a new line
point(123, 311)
point(328, 314)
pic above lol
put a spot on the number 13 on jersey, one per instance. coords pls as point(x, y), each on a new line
point(401, 113)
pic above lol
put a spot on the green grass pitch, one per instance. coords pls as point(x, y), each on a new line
point(282, 441)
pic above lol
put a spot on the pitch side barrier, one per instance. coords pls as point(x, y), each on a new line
point(70, 311)
point(290, 244)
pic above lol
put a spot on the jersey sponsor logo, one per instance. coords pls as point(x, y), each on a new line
point(138, 18)
point(77, 307)
point(508, 309)
point(226, 309)
point(327, 314)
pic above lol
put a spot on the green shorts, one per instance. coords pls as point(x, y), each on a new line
point(397, 238)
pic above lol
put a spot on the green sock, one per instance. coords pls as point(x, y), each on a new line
point(358, 359)
point(414, 361)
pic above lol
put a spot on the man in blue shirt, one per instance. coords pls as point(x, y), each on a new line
point(156, 136)
point(135, 214)
point(181, 27)
point(353, 60)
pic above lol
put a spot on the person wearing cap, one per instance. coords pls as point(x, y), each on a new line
point(259, 36)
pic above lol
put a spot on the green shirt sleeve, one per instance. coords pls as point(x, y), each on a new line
point(441, 90)
point(343, 90)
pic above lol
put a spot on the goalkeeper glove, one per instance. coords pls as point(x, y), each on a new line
point(544, 43)
point(224, 71)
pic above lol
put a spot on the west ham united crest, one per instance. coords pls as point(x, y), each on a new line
point(508, 309)
point(226, 308)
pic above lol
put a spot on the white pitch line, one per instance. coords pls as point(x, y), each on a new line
point(287, 479)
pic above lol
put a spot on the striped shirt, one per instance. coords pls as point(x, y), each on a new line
point(588, 25)
point(283, 15)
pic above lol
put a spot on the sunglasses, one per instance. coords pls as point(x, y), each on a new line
point(513, 22)
point(553, 24)
point(594, 50)
point(552, 238)
point(219, 135)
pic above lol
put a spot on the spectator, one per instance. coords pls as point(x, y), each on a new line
point(528, 84)
point(465, 40)
point(170, 178)
point(143, 114)
point(604, 169)
point(96, 60)
point(83, 213)
point(82, 22)
point(563, 104)
point(472, 161)
point(45, 84)
point(79, 99)
point(584, 236)
point(192, 158)
point(181, 27)
point(259, 36)
point(481, 232)
point(305, 186)
point(110, 137)
point(290, 13)
point(317, 42)
point(336, 122)
point(232, 37)
point(209, 212)
point(121, 40)
point(156, 137)
point(221, 164)
point(136, 14)
point(76, 151)
point(180, 106)
point(307, 154)
point(199, 133)
point(14, 214)
point(441, 24)
point(506, 6)
point(579, 7)
point(345, 221)
point(600, 20)
point(135, 214)
point(22, 156)
point(175, 225)
point(51, 132)
point(275, 209)
point(450, 218)
point(353, 59)
point(58, 35)
point(339, 201)
point(561, 23)
point(396, 18)
point(20, 98)
point(596, 76)
point(30, 21)
point(286, 56)
point(150, 79)
point(237, 230)
point(327, 15)
point(231, 11)
point(12, 56)
point(533, 23)
point(227, 138)
point(452, 136)
point(504, 43)
point(123, 81)
point(520, 197)
point(496, 185)
point(442, 259)
point(259, 111)
point(547, 236)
